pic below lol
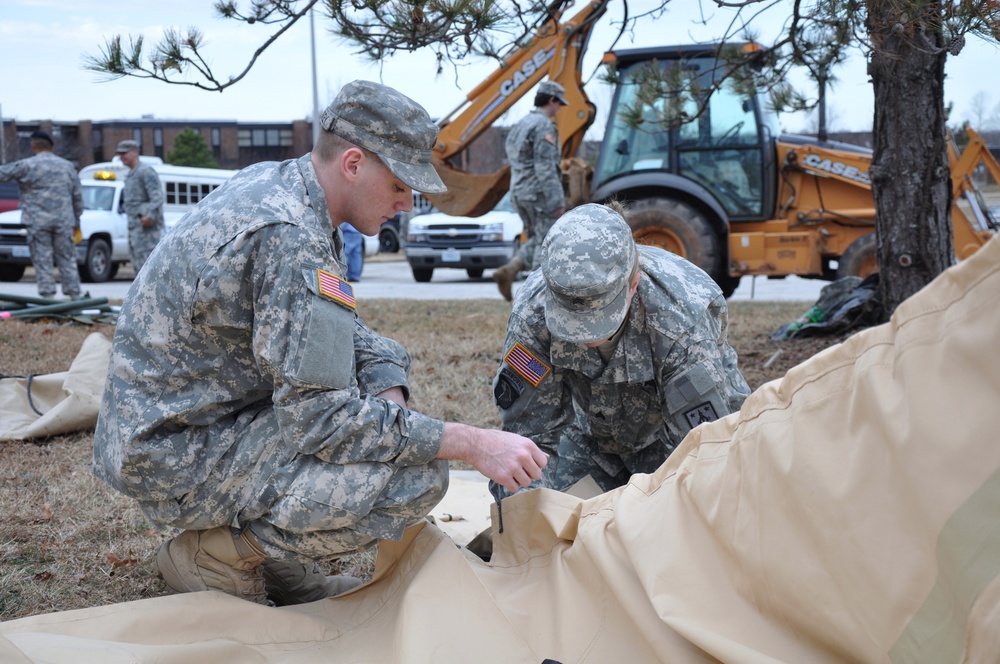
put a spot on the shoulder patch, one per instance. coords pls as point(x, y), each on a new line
point(700, 414)
point(508, 388)
point(331, 286)
point(524, 362)
point(550, 138)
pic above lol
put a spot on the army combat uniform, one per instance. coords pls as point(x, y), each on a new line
point(51, 205)
point(536, 190)
point(623, 407)
point(239, 390)
point(142, 196)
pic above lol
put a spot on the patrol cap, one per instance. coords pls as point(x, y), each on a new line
point(42, 136)
point(127, 146)
point(586, 261)
point(553, 89)
point(390, 124)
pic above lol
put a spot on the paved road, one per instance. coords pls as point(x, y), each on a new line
point(389, 276)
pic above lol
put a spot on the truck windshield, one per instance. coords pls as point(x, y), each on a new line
point(720, 149)
point(96, 197)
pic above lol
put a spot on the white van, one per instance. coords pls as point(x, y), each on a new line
point(104, 225)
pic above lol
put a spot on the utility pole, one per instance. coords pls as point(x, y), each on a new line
point(315, 113)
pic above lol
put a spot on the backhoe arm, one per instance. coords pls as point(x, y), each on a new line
point(555, 51)
point(970, 221)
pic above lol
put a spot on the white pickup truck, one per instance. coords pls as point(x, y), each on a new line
point(104, 225)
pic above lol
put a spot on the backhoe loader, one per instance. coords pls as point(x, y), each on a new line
point(725, 190)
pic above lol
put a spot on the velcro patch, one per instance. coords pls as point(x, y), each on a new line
point(331, 286)
point(508, 388)
point(700, 414)
point(524, 362)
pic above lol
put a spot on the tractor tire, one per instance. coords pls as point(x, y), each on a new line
point(860, 259)
point(682, 230)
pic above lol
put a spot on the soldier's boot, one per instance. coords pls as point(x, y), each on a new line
point(295, 583)
point(214, 559)
point(506, 274)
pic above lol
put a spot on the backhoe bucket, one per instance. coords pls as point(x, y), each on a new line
point(469, 195)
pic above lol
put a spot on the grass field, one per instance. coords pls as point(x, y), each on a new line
point(67, 541)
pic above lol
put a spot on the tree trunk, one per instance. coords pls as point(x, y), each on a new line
point(911, 179)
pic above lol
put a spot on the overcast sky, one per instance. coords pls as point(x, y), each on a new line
point(43, 43)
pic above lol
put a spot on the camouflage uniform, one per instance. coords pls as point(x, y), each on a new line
point(142, 196)
point(621, 409)
point(536, 190)
point(241, 385)
point(51, 205)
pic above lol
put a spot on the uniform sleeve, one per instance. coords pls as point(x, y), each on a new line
point(77, 195)
point(154, 192)
point(699, 379)
point(13, 171)
point(546, 165)
point(306, 342)
point(381, 363)
point(533, 399)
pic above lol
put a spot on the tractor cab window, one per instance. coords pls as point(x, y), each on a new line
point(721, 150)
point(717, 144)
point(631, 146)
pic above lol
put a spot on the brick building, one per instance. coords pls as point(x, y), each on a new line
point(233, 144)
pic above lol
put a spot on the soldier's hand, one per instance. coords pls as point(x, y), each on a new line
point(146, 221)
point(508, 459)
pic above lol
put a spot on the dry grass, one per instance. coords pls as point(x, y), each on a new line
point(67, 541)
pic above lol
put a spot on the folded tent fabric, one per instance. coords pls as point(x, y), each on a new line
point(53, 404)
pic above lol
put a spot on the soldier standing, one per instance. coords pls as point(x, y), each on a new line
point(142, 197)
point(51, 205)
point(536, 189)
point(613, 353)
point(248, 404)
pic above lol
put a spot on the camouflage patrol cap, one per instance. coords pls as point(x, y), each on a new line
point(127, 146)
point(587, 259)
point(390, 124)
point(553, 89)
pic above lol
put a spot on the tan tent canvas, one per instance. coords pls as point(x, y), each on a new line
point(848, 513)
point(53, 404)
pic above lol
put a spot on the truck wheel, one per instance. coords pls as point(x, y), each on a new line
point(388, 240)
point(474, 272)
point(681, 229)
point(423, 274)
point(860, 259)
point(97, 267)
point(11, 272)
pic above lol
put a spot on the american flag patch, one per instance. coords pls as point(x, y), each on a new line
point(526, 365)
point(336, 289)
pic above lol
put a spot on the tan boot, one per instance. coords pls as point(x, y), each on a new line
point(214, 559)
point(505, 276)
point(295, 583)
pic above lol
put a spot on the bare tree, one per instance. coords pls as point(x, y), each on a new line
point(452, 29)
point(977, 110)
